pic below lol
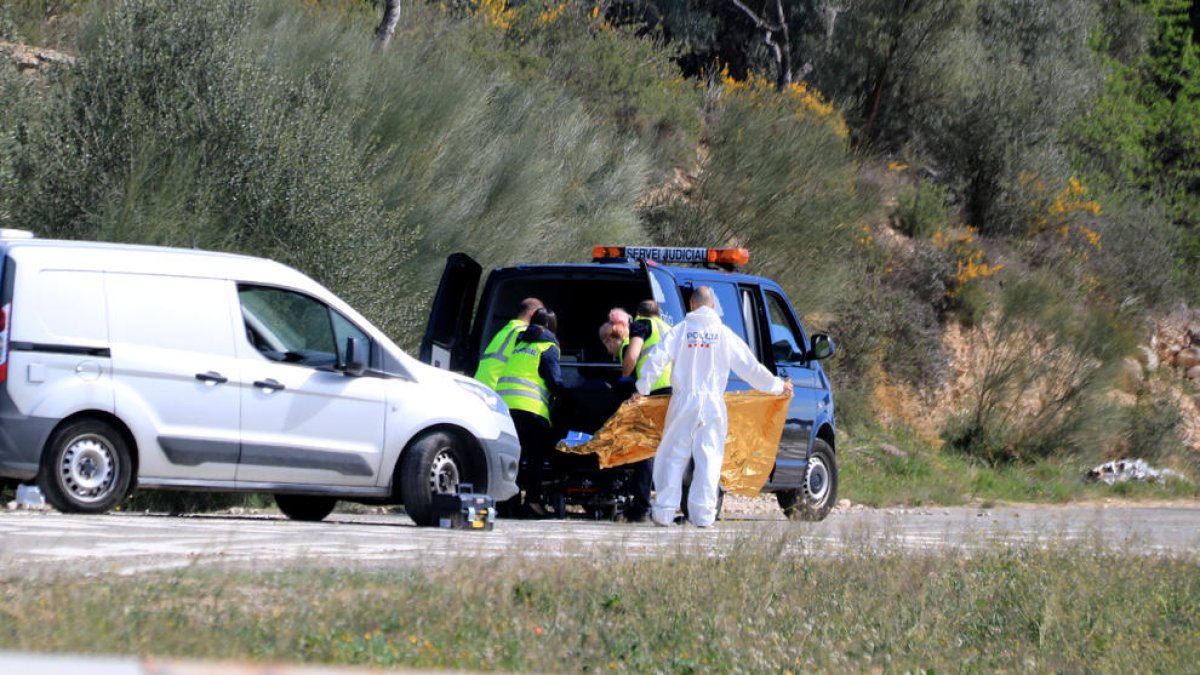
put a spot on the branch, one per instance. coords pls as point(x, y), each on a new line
point(758, 21)
point(391, 17)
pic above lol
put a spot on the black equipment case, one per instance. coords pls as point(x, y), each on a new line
point(465, 510)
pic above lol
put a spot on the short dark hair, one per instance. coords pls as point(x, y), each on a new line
point(648, 308)
point(528, 305)
point(546, 318)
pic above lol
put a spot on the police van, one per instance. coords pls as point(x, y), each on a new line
point(805, 477)
point(127, 367)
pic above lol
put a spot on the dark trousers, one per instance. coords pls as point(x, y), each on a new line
point(537, 440)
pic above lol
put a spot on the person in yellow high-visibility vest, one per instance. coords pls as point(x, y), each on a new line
point(497, 352)
point(645, 331)
point(531, 377)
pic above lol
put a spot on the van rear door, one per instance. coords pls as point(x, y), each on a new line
point(447, 341)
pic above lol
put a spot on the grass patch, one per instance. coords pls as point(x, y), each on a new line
point(925, 476)
point(763, 608)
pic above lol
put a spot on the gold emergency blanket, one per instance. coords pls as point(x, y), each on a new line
point(755, 426)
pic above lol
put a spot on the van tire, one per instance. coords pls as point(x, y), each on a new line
point(434, 463)
point(86, 467)
point(307, 508)
point(815, 499)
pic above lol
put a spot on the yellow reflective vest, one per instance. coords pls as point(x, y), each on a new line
point(658, 328)
point(520, 385)
point(498, 351)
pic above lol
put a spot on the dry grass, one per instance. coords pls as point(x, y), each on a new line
point(759, 609)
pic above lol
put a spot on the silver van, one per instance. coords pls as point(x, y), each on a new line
point(126, 367)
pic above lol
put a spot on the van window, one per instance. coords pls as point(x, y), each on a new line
point(170, 312)
point(785, 334)
point(295, 328)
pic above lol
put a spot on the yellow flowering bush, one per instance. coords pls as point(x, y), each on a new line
point(1063, 212)
point(801, 100)
point(965, 250)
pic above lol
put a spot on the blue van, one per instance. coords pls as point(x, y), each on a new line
point(805, 477)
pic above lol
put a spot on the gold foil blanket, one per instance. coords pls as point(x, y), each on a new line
point(755, 425)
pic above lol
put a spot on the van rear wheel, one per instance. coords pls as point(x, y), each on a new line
point(815, 499)
point(86, 467)
point(435, 464)
point(308, 508)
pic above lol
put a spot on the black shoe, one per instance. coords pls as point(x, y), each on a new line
point(636, 516)
point(532, 511)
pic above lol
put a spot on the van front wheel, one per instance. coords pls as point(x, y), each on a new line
point(435, 464)
point(86, 467)
point(816, 498)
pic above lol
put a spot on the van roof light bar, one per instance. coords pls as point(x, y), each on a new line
point(727, 258)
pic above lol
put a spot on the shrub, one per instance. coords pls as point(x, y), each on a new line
point(780, 180)
point(1042, 374)
point(921, 210)
point(260, 128)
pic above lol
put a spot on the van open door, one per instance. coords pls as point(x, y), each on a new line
point(447, 339)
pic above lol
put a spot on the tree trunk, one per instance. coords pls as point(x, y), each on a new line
point(391, 17)
point(775, 34)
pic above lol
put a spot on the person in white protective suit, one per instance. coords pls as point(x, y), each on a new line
point(703, 351)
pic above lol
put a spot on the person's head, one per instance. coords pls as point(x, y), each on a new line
point(648, 308)
point(619, 317)
point(613, 336)
point(527, 307)
point(545, 318)
point(703, 297)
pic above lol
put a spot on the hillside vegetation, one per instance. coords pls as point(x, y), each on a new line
point(989, 203)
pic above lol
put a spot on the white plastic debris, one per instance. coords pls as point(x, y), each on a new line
point(30, 497)
point(1121, 470)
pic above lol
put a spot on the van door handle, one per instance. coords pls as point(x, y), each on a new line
point(212, 377)
point(269, 383)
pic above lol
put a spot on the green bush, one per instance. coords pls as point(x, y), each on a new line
point(624, 74)
point(260, 128)
point(921, 210)
point(1150, 429)
point(781, 181)
point(1042, 375)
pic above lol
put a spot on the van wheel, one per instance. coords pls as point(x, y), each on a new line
point(308, 508)
point(815, 499)
point(86, 467)
point(435, 464)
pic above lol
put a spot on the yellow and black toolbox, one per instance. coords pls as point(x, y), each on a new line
point(465, 510)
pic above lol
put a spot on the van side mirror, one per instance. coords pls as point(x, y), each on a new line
point(352, 358)
point(822, 348)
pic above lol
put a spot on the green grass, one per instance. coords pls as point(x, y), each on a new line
point(927, 476)
point(762, 608)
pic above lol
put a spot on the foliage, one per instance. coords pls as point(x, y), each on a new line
point(1151, 429)
point(1144, 130)
point(922, 210)
point(46, 23)
point(1006, 607)
point(623, 74)
point(1047, 361)
point(780, 180)
point(235, 125)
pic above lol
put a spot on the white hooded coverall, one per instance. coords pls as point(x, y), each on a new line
point(703, 350)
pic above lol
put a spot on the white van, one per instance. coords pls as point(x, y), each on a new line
point(156, 368)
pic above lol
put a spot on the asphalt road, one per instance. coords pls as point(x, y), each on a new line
point(35, 544)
